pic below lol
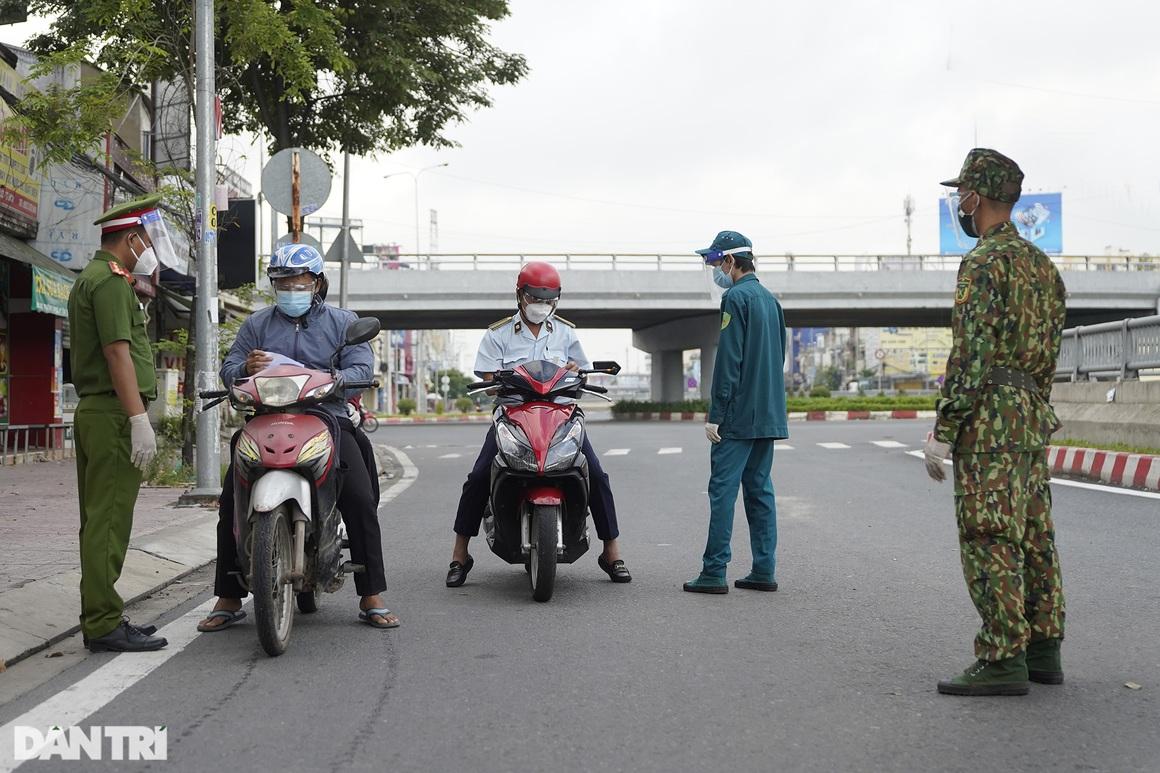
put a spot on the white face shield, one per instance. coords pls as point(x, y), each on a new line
point(158, 232)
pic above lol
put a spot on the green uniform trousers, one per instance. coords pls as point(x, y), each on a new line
point(108, 484)
point(746, 462)
point(1007, 546)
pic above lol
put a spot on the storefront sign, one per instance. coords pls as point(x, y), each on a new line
point(19, 187)
point(50, 292)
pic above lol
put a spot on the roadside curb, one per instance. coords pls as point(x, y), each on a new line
point(1115, 468)
point(468, 419)
point(40, 613)
point(793, 416)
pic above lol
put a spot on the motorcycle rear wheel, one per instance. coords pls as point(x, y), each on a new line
point(369, 424)
point(542, 560)
point(272, 589)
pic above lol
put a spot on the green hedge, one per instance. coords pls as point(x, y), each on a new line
point(794, 405)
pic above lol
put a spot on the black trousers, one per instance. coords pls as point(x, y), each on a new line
point(358, 501)
point(477, 489)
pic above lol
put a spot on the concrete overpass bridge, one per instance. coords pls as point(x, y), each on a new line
point(671, 304)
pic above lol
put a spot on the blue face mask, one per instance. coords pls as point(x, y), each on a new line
point(721, 279)
point(294, 303)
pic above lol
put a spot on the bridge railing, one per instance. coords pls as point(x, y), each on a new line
point(1113, 348)
point(686, 262)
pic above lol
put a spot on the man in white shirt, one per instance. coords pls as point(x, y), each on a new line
point(532, 333)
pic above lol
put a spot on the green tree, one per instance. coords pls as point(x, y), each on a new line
point(458, 383)
point(358, 75)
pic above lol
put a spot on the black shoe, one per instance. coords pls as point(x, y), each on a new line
point(616, 570)
point(126, 638)
point(457, 574)
point(148, 630)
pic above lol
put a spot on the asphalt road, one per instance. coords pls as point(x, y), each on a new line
point(836, 671)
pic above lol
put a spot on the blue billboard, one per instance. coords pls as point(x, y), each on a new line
point(1036, 215)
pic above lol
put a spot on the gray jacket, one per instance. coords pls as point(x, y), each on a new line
point(310, 340)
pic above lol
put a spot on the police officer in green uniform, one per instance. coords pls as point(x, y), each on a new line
point(112, 368)
point(995, 420)
point(746, 415)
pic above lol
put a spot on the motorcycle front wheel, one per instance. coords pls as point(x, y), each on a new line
point(542, 560)
point(272, 588)
point(369, 424)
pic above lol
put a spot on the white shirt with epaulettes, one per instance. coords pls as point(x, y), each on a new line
point(508, 343)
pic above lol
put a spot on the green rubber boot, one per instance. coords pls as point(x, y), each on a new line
point(707, 584)
point(1044, 664)
point(1000, 677)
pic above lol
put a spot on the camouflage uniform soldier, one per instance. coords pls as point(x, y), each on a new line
point(994, 415)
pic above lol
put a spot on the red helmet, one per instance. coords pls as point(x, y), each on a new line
point(539, 280)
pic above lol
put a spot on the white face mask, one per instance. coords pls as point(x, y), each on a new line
point(146, 261)
point(536, 313)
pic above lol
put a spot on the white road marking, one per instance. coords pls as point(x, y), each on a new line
point(833, 446)
point(450, 456)
point(410, 473)
point(1079, 483)
point(617, 452)
point(669, 451)
point(889, 444)
point(73, 704)
point(782, 447)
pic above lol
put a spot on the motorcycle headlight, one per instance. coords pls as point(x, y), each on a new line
point(314, 448)
point(277, 391)
point(322, 392)
point(562, 453)
point(241, 397)
point(516, 450)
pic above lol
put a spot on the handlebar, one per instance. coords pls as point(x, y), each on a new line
point(209, 394)
point(362, 385)
point(596, 388)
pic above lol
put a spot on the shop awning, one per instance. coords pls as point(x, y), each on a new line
point(51, 282)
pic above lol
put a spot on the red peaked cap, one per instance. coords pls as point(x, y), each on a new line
point(130, 219)
point(539, 280)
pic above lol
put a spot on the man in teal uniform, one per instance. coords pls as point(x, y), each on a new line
point(112, 368)
point(746, 415)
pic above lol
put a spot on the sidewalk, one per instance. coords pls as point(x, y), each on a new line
point(40, 573)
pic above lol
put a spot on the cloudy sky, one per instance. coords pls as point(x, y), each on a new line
point(649, 125)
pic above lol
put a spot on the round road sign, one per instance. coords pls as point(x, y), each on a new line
point(879, 354)
point(313, 181)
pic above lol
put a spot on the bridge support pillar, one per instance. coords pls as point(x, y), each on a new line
point(668, 375)
point(667, 342)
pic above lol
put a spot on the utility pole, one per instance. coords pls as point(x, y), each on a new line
point(908, 209)
point(208, 443)
point(343, 276)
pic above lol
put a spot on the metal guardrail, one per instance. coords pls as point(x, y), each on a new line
point(1124, 348)
point(20, 443)
point(689, 262)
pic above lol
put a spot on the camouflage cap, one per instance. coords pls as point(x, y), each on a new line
point(990, 174)
point(127, 214)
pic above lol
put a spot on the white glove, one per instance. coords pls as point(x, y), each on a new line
point(934, 452)
point(712, 433)
point(144, 441)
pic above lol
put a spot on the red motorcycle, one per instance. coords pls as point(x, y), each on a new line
point(286, 520)
point(537, 514)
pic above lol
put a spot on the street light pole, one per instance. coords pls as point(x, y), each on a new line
point(208, 443)
point(420, 343)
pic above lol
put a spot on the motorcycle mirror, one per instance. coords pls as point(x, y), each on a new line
point(362, 330)
point(611, 367)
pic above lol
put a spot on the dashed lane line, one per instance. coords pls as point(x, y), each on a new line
point(833, 446)
point(664, 451)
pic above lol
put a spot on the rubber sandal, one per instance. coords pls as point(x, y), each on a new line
point(230, 618)
point(368, 616)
